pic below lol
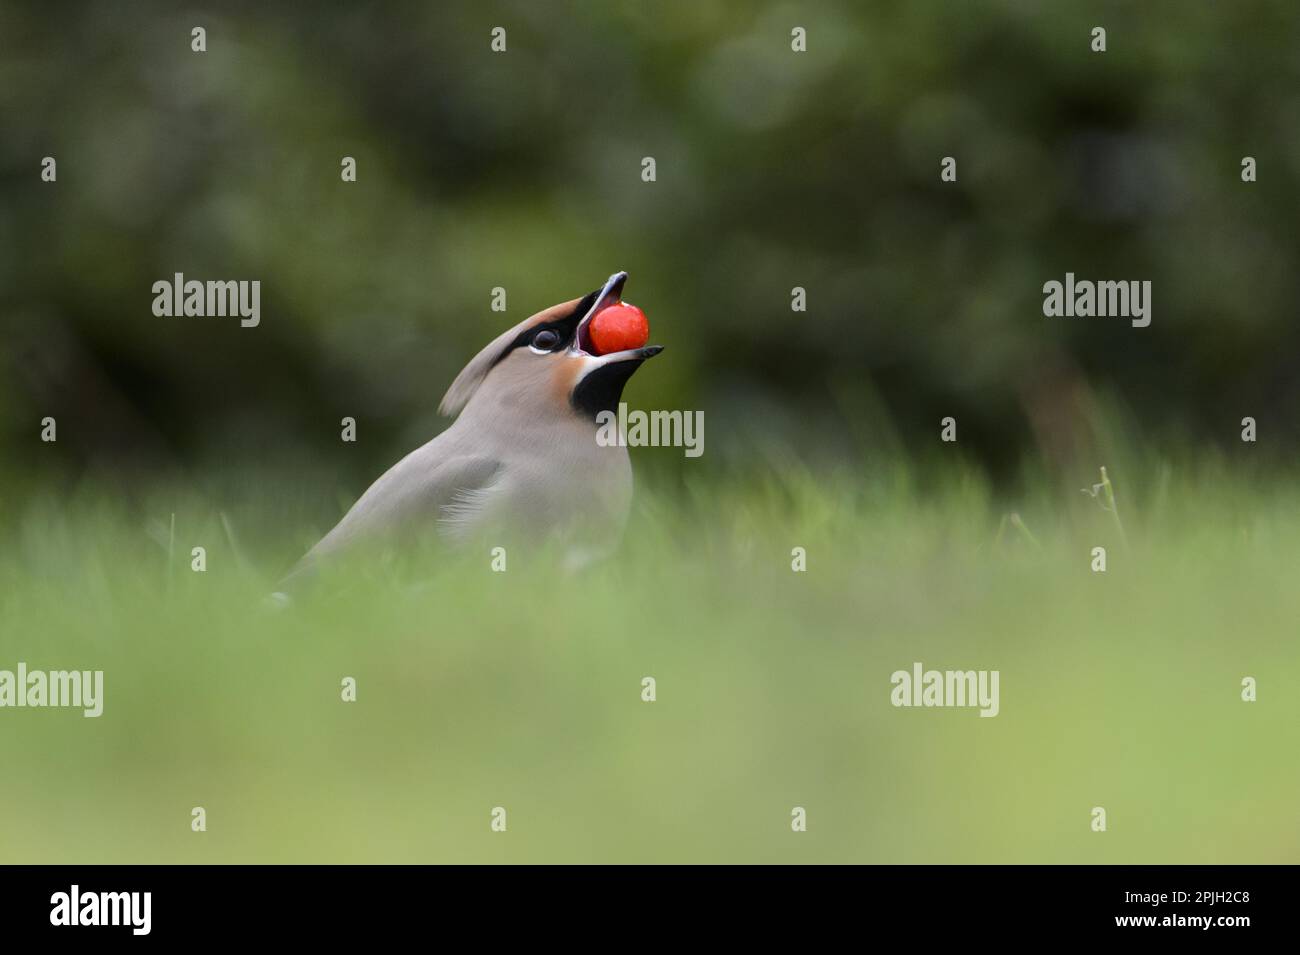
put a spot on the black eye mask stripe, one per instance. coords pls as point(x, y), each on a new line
point(565, 327)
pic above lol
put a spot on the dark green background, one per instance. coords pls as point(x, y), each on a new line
point(775, 169)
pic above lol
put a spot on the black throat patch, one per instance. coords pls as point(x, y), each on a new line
point(601, 389)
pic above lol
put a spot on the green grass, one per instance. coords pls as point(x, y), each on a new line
point(478, 689)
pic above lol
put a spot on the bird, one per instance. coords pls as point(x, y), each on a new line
point(521, 461)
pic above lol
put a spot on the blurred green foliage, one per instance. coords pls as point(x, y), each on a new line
point(521, 170)
point(523, 689)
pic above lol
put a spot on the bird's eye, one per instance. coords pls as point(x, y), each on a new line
point(546, 339)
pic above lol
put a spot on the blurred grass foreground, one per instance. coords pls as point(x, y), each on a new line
point(524, 690)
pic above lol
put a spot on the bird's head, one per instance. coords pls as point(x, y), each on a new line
point(548, 361)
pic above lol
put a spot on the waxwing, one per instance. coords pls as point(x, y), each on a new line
point(522, 460)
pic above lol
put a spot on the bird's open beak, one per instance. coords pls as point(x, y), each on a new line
point(610, 294)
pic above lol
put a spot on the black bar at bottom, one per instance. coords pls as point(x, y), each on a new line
point(236, 903)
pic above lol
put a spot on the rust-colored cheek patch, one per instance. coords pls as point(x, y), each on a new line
point(564, 378)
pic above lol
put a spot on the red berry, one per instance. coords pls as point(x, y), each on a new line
point(618, 328)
